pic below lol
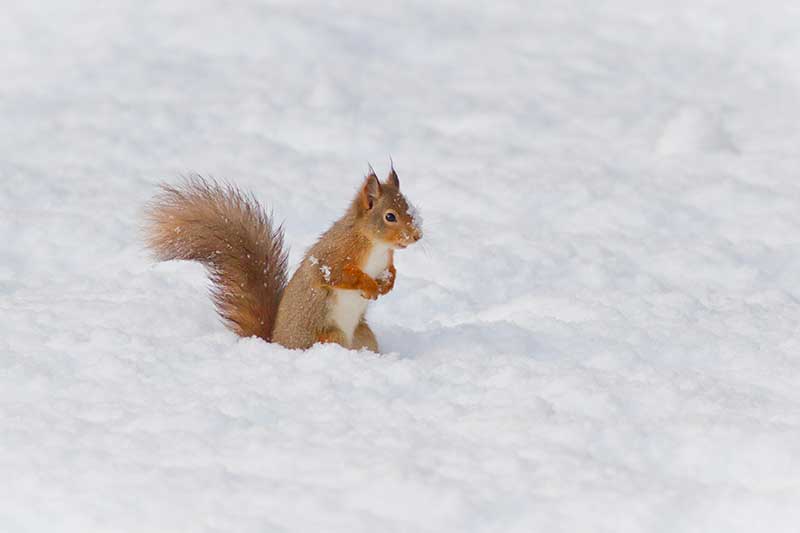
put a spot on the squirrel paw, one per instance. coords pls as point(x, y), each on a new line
point(386, 280)
point(369, 290)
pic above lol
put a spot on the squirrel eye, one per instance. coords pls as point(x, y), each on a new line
point(390, 217)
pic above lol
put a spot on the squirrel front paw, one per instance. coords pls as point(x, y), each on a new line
point(386, 280)
point(369, 289)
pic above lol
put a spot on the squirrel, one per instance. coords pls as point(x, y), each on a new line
point(325, 300)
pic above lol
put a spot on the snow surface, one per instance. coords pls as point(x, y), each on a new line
point(599, 331)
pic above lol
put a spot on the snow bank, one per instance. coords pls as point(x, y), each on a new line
point(597, 333)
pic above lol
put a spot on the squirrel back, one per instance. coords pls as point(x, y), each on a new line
point(231, 234)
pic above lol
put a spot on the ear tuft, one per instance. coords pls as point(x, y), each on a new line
point(392, 178)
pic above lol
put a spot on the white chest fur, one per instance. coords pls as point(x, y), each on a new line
point(377, 260)
point(348, 305)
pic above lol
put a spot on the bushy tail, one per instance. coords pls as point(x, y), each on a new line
point(228, 232)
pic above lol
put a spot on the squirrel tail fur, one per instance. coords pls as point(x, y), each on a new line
point(231, 234)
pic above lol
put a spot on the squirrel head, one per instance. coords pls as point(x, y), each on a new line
point(384, 214)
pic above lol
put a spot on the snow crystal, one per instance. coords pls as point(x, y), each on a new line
point(326, 272)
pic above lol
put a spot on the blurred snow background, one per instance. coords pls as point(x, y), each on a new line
point(599, 334)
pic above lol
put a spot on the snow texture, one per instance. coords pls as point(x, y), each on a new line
point(599, 331)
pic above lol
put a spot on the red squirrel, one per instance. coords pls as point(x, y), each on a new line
point(326, 298)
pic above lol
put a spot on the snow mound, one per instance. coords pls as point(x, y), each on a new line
point(694, 131)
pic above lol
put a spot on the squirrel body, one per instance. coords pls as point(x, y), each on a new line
point(327, 296)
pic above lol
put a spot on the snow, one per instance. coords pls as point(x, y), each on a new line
point(385, 275)
point(326, 272)
point(416, 217)
point(598, 331)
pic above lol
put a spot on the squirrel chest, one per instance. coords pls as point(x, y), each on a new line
point(347, 306)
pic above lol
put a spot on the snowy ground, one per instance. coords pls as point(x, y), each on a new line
point(600, 333)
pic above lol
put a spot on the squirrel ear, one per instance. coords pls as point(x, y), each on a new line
point(370, 192)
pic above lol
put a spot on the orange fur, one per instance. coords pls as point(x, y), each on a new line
point(352, 277)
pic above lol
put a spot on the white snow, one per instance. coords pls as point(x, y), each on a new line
point(385, 275)
point(416, 216)
point(694, 131)
point(598, 332)
point(326, 272)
